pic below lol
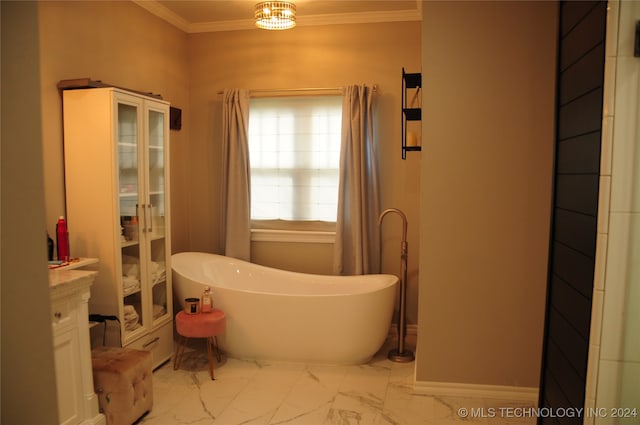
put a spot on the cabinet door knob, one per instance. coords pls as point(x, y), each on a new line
point(57, 314)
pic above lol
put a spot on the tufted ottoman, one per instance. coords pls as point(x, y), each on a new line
point(122, 378)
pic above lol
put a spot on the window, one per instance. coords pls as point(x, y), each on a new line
point(294, 150)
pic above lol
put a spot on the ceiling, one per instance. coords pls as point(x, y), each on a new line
point(229, 15)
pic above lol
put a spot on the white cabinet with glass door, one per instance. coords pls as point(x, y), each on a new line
point(117, 181)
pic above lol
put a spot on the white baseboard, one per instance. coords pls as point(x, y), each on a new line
point(499, 392)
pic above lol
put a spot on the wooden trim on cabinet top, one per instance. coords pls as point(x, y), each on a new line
point(88, 83)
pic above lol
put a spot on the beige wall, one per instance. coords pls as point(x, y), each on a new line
point(121, 44)
point(489, 72)
point(329, 56)
point(28, 387)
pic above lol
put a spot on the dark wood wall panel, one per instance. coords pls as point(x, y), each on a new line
point(577, 192)
point(581, 116)
point(579, 155)
point(587, 33)
point(577, 231)
point(572, 16)
point(555, 395)
point(571, 344)
point(570, 382)
point(573, 305)
point(581, 51)
point(579, 77)
point(573, 267)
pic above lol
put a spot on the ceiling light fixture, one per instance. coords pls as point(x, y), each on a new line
point(275, 15)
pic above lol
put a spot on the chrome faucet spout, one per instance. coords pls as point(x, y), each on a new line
point(400, 354)
point(402, 216)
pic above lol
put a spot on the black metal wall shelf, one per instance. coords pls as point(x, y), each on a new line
point(410, 81)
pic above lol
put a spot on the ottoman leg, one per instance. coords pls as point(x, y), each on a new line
point(210, 356)
point(182, 342)
point(217, 348)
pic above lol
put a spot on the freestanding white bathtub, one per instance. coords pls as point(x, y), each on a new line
point(279, 315)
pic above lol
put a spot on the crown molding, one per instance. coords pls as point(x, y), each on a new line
point(162, 12)
point(218, 26)
point(313, 20)
point(360, 18)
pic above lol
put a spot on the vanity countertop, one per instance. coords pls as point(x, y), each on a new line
point(75, 263)
point(70, 279)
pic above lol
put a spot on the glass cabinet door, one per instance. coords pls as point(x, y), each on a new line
point(130, 197)
point(155, 227)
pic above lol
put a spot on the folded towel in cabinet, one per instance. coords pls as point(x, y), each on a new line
point(158, 310)
point(130, 285)
point(131, 318)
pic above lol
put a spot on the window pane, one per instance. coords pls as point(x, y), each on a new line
point(294, 148)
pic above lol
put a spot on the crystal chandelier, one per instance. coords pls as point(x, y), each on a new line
point(275, 15)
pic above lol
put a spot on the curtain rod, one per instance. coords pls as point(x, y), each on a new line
point(297, 90)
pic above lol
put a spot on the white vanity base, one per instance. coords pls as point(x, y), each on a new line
point(77, 401)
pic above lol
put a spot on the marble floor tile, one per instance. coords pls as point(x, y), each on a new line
point(447, 410)
point(312, 396)
point(404, 407)
point(270, 393)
